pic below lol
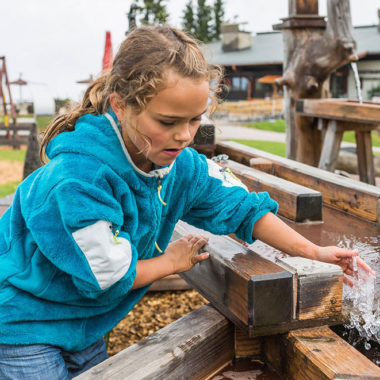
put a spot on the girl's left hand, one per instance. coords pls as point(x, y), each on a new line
point(343, 258)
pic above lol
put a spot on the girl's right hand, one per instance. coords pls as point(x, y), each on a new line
point(182, 253)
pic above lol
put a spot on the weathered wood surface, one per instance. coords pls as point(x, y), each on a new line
point(341, 109)
point(320, 354)
point(171, 282)
point(251, 291)
point(354, 197)
point(192, 347)
point(248, 289)
point(319, 289)
point(366, 164)
point(312, 51)
point(245, 346)
point(296, 202)
point(262, 164)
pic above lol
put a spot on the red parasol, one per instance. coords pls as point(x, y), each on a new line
point(108, 55)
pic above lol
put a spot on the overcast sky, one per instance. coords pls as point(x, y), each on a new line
point(54, 43)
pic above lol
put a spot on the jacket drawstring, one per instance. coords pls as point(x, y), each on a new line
point(159, 188)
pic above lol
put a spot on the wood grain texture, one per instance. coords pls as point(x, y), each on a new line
point(296, 202)
point(246, 346)
point(319, 353)
point(248, 289)
point(319, 288)
point(190, 348)
point(341, 109)
point(354, 197)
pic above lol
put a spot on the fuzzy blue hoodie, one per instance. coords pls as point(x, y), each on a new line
point(65, 271)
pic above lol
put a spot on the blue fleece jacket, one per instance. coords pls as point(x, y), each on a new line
point(77, 226)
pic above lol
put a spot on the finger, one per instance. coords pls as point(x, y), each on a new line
point(201, 257)
point(348, 271)
point(343, 253)
point(199, 243)
point(348, 281)
point(362, 264)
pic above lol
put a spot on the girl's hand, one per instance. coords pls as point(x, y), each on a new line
point(182, 253)
point(343, 258)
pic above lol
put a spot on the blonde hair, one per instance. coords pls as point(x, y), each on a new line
point(138, 74)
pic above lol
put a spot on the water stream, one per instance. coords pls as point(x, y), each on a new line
point(354, 67)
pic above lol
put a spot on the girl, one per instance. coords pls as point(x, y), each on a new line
point(89, 231)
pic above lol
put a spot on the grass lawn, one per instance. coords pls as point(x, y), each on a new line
point(12, 155)
point(8, 188)
point(279, 126)
point(277, 148)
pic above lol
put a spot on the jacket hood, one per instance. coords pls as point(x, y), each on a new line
point(99, 136)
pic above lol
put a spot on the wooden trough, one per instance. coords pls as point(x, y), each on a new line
point(265, 305)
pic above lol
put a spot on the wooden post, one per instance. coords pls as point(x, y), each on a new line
point(313, 49)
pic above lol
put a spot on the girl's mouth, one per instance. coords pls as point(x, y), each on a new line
point(172, 152)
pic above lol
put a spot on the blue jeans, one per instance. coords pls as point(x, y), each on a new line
point(45, 362)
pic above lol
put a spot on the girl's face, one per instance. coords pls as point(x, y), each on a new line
point(168, 123)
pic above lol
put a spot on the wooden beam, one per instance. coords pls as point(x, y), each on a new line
point(354, 197)
point(245, 346)
point(192, 347)
point(318, 354)
point(365, 157)
point(340, 109)
point(249, 290)
point(296, 202)
point(319, 289)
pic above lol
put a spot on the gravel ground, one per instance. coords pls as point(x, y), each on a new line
point(154, 311)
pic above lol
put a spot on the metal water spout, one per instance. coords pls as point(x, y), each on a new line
point(313, 49)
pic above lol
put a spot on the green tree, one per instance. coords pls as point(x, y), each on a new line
point(203, 29)
point(204, 21)
point(218, 18)
point(188, 19)
point(153, 12)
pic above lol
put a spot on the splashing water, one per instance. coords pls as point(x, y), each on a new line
point(354, 67)
point(363, 308)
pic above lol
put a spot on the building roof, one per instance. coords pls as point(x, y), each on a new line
point(267, 48)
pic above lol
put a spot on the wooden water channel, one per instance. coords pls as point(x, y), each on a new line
point(263, 304)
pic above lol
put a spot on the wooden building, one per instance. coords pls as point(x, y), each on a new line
point(246, 60)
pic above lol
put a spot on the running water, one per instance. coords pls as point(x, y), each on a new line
point(362, 305)
point(357, 81)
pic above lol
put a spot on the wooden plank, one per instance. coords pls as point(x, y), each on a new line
point(330, 147)
point(192, 347)
point(365, 157)
point(319, 289)
point(262, 164)
point(340, 109)
point(354, 197)
point(296, 202)
point(319, 353)
point(171, 282)
point(251, 291)
point(246, 346)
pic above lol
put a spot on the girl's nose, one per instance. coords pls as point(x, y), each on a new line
point(183, 132)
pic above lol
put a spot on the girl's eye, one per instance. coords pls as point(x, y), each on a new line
point(196, 120)
point(166, 123)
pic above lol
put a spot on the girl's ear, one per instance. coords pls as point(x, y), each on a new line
point(117, 106)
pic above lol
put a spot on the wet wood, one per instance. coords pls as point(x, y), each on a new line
point(246, 346)
point(251, 291)
point(319, 353)
point(354, 197)
point(330, 150)
point(296, 202)
point(365, 157)
point(319, 289)
point(193, 347)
